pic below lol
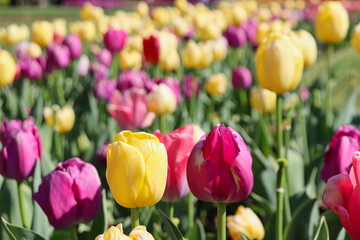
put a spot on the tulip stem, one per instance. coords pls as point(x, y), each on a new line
point(278, 125)
point(280, 191)
point(328, 112)
point(170, 213)
point(134, 217)
point(302, 123)
point(221, 221)
point(193, 107)
point(73, 232)
point(163, 123)
point(243, 101)
point(22, 205)
point(191, 210)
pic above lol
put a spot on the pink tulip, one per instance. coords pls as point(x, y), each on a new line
point(178, 144)
point(342, 195)
point(114, 40)
point(30, 68)
point(236, 36)
point(70, 194)
point(100, 71)
point(73, 42)
point(130, 109)
point(241, 78)
point(58, 56)
point(191, 86)
point(219, 167)
point(101, 153)
point(104, 57)
point(134, 79)
point(337, 160)
point(83, 65)
point(104, 89)
point(21, 147)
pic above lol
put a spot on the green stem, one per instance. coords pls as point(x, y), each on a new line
point(114, 66)
point(170, 213)
point(303, 131)
point(243, 101)
point(328, 111)
point(134, 217)
point(73, 232)
point(59, 87)
point(221, 221)
point(287, 133)
point(280, 199)
point(22, 205)
point(190, 210)
point(193, 107)
point(163, 123)
point(278, 125)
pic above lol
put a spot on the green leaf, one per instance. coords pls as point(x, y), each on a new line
point(172, 230)
point(197, 231)
point(60, 235)
point(322, 232)
point(296, 170)
point(348, 111)
point(17, 232)
point(100, 222)
point(243, 236)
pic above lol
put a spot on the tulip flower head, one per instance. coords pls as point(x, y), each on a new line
point(219, 167)
point(31, 68)
point(138, 233)
point(70, 194)
point(65, 118)
point(191, 86)
point(309, 47)
point(161, 100)
point(7, 68)
point(136, 169)
point(73, 42)
point(104, 89)
point(114, 40)
point(241, 78)
point(355, 38)
point(263, 100)
point(104, 57)
point(134, 79)
point(42, 33)
point(216, 84)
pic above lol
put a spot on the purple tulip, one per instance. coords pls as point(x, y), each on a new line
point(83, 65)
point(73, 42)
point(191, 86)
point(101, 153)
point(338, 158)
point(134, 78)
point(100, 71)
point(70, 194)
point(114, 40)
point(58, 56)
point(104, 57)
point(21, 49)
point(235, 36)
point(241, 77)
point(31, 68)
point(172, 83)
point(250, 28)
point(104, 89)
point(21, 147)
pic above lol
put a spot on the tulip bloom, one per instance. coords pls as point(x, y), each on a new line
point(172, 83)
point(104, 57)
point(100, 155)
point(241, 77)
point(158, 46)
point(219, 167)
point(73, 42)
point(21, 147)
point(263, 100)
point(83, 65)
point(161, 100)
point(42, 33)
point(136, 169)
point(58, 56)
point(134, 78)
point(104, 89)
point(191, 86)
point(342, 195)
point(216, 84)
point(309, 47)
point(70, 194)
point(65, 118)
point(178, 144)
point(31, 68)
point(114, 40)
point(279, 63)
point(236, 36)
point(7, 68)
point(138, 233)
point(337, 159)
point(355, 38)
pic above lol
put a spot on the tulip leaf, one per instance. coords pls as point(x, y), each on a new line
point(348, 111)
point(172, 230)
point(60, 235)
point(100, 222)
point(243, 236)
point(322, 232)
point(16, 232)
point(197, 231)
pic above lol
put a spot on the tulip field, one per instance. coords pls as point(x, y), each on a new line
point(195, 120)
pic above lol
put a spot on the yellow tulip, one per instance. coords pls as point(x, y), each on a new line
point(206, 55)
point(161, 16)
point(245, 221)
point(219, 49)
point(140, 233)
point(134, 43)
point(209, 32)
point(262, 32)
point(90, 12)
point(136, 169)
point(239, 14)
point(182, 5)
point(13, 34)
point(355, 38)
point(264, 14)
point(332, 22)
point(181, 27)
point(42, 33)
point(279, 63)
point(172, 62)
point(117, 233)
point(7, 68)
point(142, 8)
point(161, 100)
point(65, 118)
point(130, 59)
point(263, 100)
point(309, 47)
point(34, 50)
point(85, 29)
point(191, 54)
point(59, 25)
point(216, 84)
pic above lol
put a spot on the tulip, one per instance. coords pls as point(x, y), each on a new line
point(241, 77)
point(219, 167)
point(236, 36)
point(209, 32)
point(100, 155)
point(134, 43)
point(114, 40)
point(142, 8)
point(100, 71)
point(181, 27)
point(104, 89)
point(191, 86)
point(342, 195)
point(33, 50)
point(90, 12)
point(263, 100)
point(171, 62)
point(279, 63)
point(136, 169)
point(7, 68)
point(58, 56)
point(178, 146)
point(355, 38)
point(73, 42)
point(129, 109)
point(130, 60)
point(161, 100)
point(21, 147)
point(191, 54)
point(138, 233)
point(21, 49)
point(42, 33)
point(337, 159)
point(158, 46)
point(86, 30)
point(172, 83)
point(332, 22)
point(104, 57)
point(206, 55)
point(70, 194)
point(245, 221)
point(83, 65)
point(309, 47)
point(216, 84)
point(219, 49)
point(60, 30)
point(65, 118)
point(134, 78)
point(31, 68)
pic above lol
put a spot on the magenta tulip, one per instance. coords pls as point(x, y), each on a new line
point(73, 42)
point(104, 89)
point(191, 86)
point(241, 77)
point(337, 160)
point(101, 153)
point(235, 36)
point(219, 167)
point(21, 147)
point(114, 40)
point(134, 79)
point(30, 68)
point(129, 109)
point(70, 194)
point(104, 57)
point(58, 56)
point(178, 144)
point(100, 71)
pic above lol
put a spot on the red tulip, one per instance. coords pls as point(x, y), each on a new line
point(219, 167)
point(152, 48)
point(342, 195)
point(178, 144)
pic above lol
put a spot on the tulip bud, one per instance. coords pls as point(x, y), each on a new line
point(42, 33)
point(100, 155)
point(309, 47)
point(65, 118)
point(241, 77)
point(219, 49)
point(263, 100)
point(142, 8)
point(7, 68)
point(355, 38)
point(74, 44)
point(161, 100)
point(21, 49)
point(216, 84)
point(236, 36)
point(191, 54)
point(100, 71)
point(70, 194)
point(21, 147)
point(158, 46)
point(191, 86)
point(58, 56)
point(31, 68)
point(104, 89)
point(136, 169)
point(130, 60)
point(138, 233)
point(332, 22)
point(219, 167)
point(60, 29)
point(134, 79)
point(33, 50)
point(279, 63)
point(114, 40)
point(206, 55)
